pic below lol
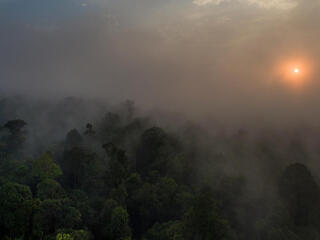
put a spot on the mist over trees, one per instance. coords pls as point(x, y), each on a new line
point(82, 170)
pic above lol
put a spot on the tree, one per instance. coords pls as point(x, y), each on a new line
point(15, 126)
point(103, 230)
point(133, 183)
point(14, 170)
point(50, 189)
point(80, 168)
point(74, 139)
point(229, 194)
point(119, 225)
point(16, 139)
point(110, 127)
point(55, 214)
point(202, 221)
point(81, 235)
point(276, 227)
point(301, 195)
point(143, 207)
point(84, 204)
point(64, 236)
point(169, 206)
point(172, 230)
point(151, 143)
point(89, 130)
point(119, 194)
point(113, 222)
point(155, 150)
point(118, 165)
point(15, 207)
point(45, 167)
point(71, 234)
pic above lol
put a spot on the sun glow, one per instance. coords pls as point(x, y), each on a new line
point(294, 73)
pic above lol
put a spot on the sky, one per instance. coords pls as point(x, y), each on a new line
point(223, 59)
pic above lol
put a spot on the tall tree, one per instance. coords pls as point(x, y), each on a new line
point(118, 169)
point(155, 150)
point(80, 168)
point(301, 195)
point(15, 140)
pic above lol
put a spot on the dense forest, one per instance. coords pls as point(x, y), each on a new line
point(83, 170)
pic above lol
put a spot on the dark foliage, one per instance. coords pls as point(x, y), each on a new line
point(121, 178)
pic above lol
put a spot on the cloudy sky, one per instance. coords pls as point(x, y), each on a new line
point(203, 57)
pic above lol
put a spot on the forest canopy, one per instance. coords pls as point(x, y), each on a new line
point(125, 175)
point(219, 140)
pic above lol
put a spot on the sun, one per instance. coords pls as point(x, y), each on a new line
point(294, 72)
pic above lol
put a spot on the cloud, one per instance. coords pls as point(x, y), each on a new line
point(268, 4)
point(279, 4)
point(206, 2)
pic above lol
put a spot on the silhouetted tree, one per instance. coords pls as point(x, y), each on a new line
point(301, 195)
point(118, 165)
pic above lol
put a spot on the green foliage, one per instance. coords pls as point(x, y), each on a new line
point(50, 189)
point(172, 230)
point(80, 168)
point(14, 170)
point(64, 236)
point(114, 221)
point(45, 167)
point(150, 185)
point(119, 194)
point(229, 193)
point(15, 207)
point(133, 183)
point(81, 235)
point(203, 222)
point(155, 150)
point(73, 234)
point(162, 201)
point(120, 224)
point(118, 165)
point(54, 214)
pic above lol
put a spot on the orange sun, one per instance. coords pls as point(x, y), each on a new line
point(294, 73)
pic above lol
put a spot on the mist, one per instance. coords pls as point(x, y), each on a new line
point(203, 59)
